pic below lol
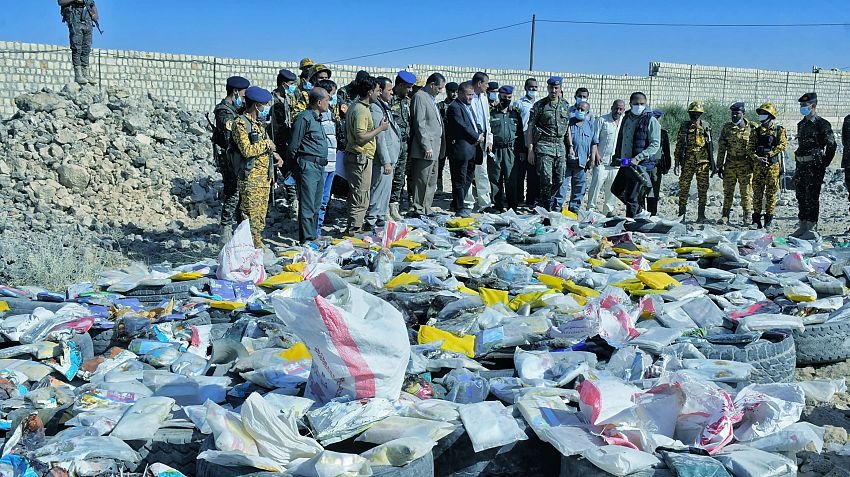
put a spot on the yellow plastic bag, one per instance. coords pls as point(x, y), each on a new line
point(569, 214)
point(467, 290)
point(492, 297)
point(460, 222)
point(694, 250)
point(530, 260)
point(657, 280)
point(625, 251)
point(551, 281)
point(595, 262)
point(579, 299)
point(226, 305)
point(186, 276)
point(468, 261)
point(533, 299)
point(4, 306)
point(290, 254)
point(465, 344)
point(670, 265)
point(297, 267)
point(283, 278)
point(404, 243)
point(403, 278)
point(297, 352)
point(630, 285)
point(580, 290)
point(415, 257)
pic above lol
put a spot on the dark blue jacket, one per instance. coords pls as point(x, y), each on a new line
point(460, 132)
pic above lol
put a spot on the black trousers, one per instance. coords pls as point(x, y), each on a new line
point(808, 180)
point(652, 202)
point(463, 172)
point(630, 192)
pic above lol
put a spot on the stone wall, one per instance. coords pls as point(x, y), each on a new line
point(198, 80)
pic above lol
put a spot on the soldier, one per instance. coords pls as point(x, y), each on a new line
point(225, 153)
point(80, 15)
point(508, 142)
point(694, 158)
point(734, 165)
point(308, 70)
point(493, 93)
point(547, 126)
point(255, 152)
point(816, 149)
point(400, 106)
point(443, 106)
point(767, 142)
point(304, 66)
point(346, 94)
point(523, 105)
point(280, 129)
point(845, 158)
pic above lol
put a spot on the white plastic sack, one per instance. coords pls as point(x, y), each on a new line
point(239, 261)
point(822, 390)
point(276, 436)
point(490, 424)
point(337, 421)
point(606, 401)
point(398, 452)
point(398, 427)
point(800, 436)
point(547, 368)
point(707, 415)
point(334, 464)
point(620, 460)
point(228, 431)
point(556, 424)
point(767, 408)
point(358, 342)
point(744, 461)
point(657, 338)
point(719, 370)
point(432, 409)
point(794, 262)
point(143, 419)
point(772, 321)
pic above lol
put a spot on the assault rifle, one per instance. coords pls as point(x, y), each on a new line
point(88, 5)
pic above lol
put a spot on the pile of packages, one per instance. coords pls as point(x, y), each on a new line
point(546, 344)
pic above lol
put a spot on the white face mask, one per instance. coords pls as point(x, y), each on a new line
point(532, 94)
point(764, 117)
point(638, 109)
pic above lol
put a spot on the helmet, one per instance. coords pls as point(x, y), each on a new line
point(305, 63)
point(320, 67)
point(420, 81)
point(696, 107)
point(768, 108)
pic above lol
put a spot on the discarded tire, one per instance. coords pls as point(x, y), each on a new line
point(823, 343)
point(546, 248)
point(174, 288)
point(455, 457)
point(177, 448)
point(773, 356)
point(577, 466)
point(21, 306)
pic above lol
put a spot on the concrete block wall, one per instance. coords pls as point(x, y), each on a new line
point(198, 81)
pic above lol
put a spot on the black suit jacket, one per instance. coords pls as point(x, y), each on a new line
point(460, 133)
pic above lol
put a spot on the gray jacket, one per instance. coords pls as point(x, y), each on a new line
point(426, 131)
point(389, 141)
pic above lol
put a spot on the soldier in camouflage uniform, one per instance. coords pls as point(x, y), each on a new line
point(694, 158)
point(80, 16)
point(255, 151)
point(225, 153)
point(816, 149)
point(767, 142)
point(303, 88)
point(547, 127)
point(733, 161)
point(280, 130)
point(400, 106)
point(508, 142)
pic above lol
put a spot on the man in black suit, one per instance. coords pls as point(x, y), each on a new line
point(466, 143)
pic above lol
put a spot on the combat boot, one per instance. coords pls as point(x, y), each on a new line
point(226, 234)
point(811, 232)
point(768, 220)
point(79, 77)
point(87, 75)
point(756, 221)
point(683, 209)
point(394, 213)
point(701, 214)
point(724, 217)
point(802, 228)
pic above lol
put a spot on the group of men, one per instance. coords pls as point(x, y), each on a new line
point(390, 140)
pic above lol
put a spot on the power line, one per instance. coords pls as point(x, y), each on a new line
point(433, 42)
point(701, 25)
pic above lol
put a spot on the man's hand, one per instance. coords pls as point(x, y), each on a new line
point(388, 169)
point(481, 138)
point(384, 125)
point(763, 161)
point(429, 154)
point(343, 108)
point(272, 147)
point(94, 15)
point(677, 169)
point(531, 156)
point(278, 161)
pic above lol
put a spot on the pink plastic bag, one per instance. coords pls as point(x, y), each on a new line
point(239, 261)
point(707, 415)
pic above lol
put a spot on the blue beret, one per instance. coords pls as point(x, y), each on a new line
point(739, 106)
point(286, 75)
point(237, 82)
point(452, 87)
point(554, 81)
point(507, 89)
point(492, 86)
point(657, 113)
point(258, 95)
point(406, 76)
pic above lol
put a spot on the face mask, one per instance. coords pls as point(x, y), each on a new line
point(579, 100)
point(531, 94)
point(638, 109)
point(580, 115)
point(739, 122)
point(764, 117)
point(290, 89)
point(333, 101)
point(694, 116)
point(805, 110)
point(504, 102)
point(492, 96)
point(238, 101)
point(265, 112)
point(308, 86)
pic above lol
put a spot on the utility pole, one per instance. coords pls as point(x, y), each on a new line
point(531, 52)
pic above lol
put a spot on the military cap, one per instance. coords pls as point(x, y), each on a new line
point(320, 67)
point(286, 75)
point(237, 82)
point(452, 87)
point(420, 81)
point(492, 86)
point(305, 63)
point(738, 106)
point(406, 76)
point(258, 95)
point(696, 107)
point(809, 98)
point(657, 113)
point(554, 81)
point(507, 89)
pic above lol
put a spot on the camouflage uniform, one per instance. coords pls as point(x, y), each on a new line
point(767, 142)
point(508, 142)
point(815, 150)
point(300, 100)
point(80, 26)
point(227, 161)
point(254, 174)
point(692, 150)
point(550, 120)
point(401, 114)
point(737, 167)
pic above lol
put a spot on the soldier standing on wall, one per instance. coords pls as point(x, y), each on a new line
point(80, 15)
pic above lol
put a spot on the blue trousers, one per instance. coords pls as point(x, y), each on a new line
point(573, 186)
point(326, 197)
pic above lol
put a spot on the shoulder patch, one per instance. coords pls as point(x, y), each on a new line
point(228, 125)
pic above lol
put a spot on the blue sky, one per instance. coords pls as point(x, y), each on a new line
point(324, 31)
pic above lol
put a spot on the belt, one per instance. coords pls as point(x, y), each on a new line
point(503, 146)
point(554, 139)
point(315, 159)
point(804, 159)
